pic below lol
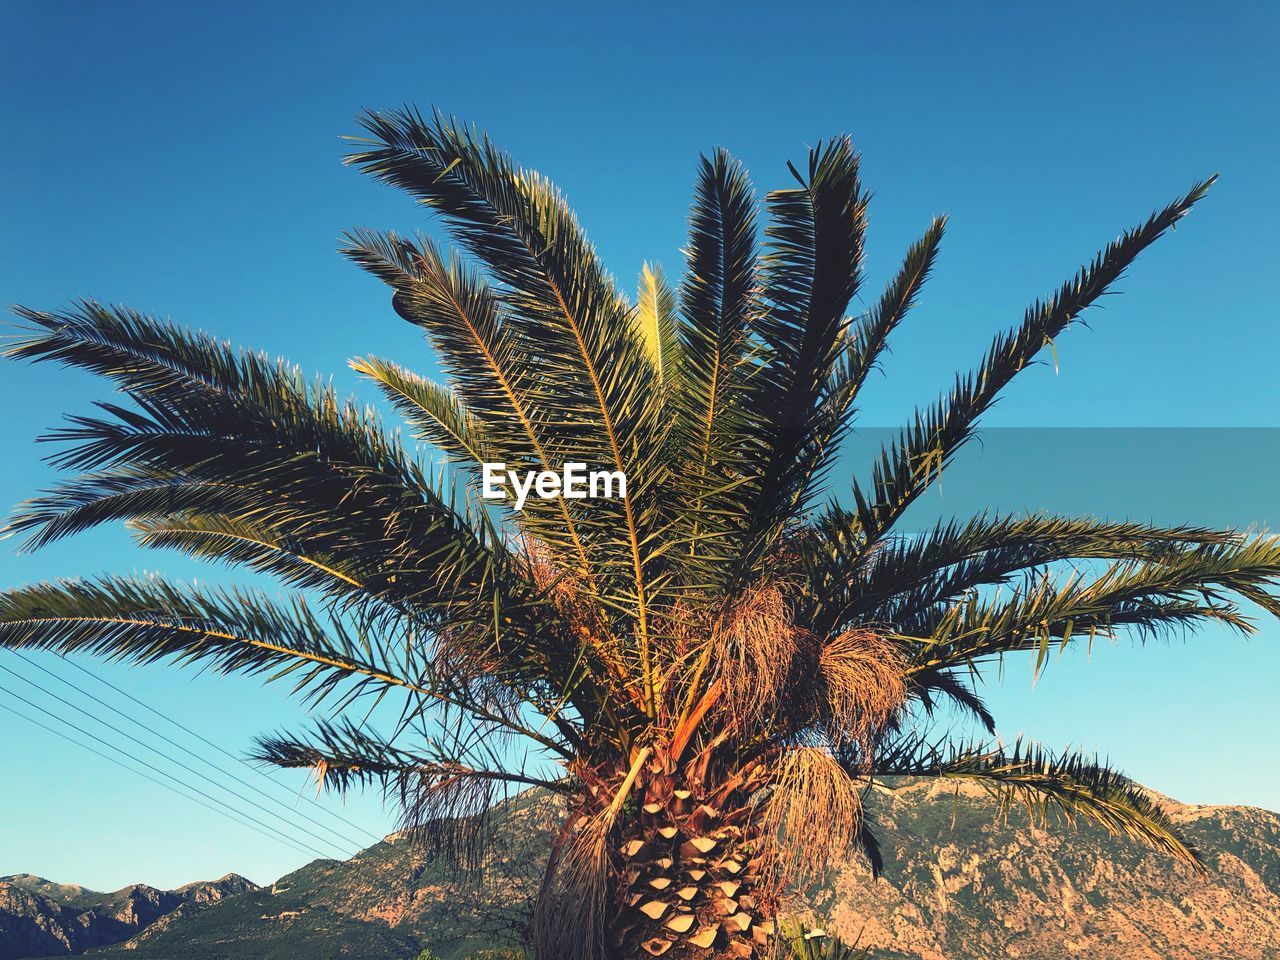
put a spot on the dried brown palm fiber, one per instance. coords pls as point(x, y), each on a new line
point(864, 683)
point(469, 657)
point(811, 816)
point(752, 648)
point(584, 618)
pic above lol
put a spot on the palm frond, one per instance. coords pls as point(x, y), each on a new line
point(1190, 586)
point(862, 344)
point(435, 412)
point(119, 493)
point(557, 292)
point(656, 306)
point(146, 619)
point(563, 300)
point(488, 360)
point(907, 466)
point(223, 431)
point(869, 337)
point(928, 685)
point(345, 755)
point(811, 270)
point(443, 801)
point(240, 541)
point(1070, 786)
point(869, 844)
point(462, 317)
point(909, 574)
point(719, 303)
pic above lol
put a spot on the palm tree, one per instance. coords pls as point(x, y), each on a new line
point(711, 670)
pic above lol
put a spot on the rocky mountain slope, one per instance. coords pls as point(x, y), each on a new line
point(961, 882)
point(42, 918)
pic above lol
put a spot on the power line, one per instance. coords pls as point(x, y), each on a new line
point(260, 827)
point(146, 776)
point(158, 752)
point(275, 800)
point(222, 750)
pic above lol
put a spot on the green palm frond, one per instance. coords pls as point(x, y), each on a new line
point(929, 685)
point(146, 619)
point(869, 337)
point(906, 576)
point(864, 342)
point(811, 269)
point(484, 356)
point(1070, 786)
point(236, 523)
point(487, 360)
point(562, 299)
point(236, 431)
point(656, 306)
point(719, 304)
point(433, 411)
point(550, 279)
point(912, 461)
point(1191, 586)
point(351, 755)
point(239, 541)
point(119, 493)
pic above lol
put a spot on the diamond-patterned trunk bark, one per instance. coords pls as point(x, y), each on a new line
point(692, 883)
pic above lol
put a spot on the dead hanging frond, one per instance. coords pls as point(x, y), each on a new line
point(446, 807)
point(471, 658)
point(811, 816)
point(445, 790)
point(752, 649)
point(864, 683)
point(573, 905)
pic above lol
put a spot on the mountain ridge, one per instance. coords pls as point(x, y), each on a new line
point(963, 880)
point(40, 917)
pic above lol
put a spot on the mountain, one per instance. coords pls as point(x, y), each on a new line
point(42, 918)
point(385, 903)
point(962, 881)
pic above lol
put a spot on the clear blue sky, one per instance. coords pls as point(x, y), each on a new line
point(186, 162)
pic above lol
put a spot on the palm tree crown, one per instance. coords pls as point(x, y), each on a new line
point(710, 669)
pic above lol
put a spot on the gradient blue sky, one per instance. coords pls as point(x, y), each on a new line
point(186, 162)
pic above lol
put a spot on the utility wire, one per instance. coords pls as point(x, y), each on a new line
point(158, 752)
point(260, 827)
point(275, 800)
point(222, 750)
point(146, 776)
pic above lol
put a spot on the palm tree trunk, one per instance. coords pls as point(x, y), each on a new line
point(692, 882)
